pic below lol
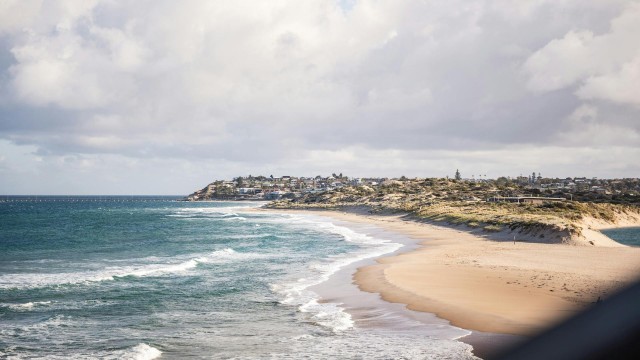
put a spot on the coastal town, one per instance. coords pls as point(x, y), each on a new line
point(531, 207)
point(475, 188)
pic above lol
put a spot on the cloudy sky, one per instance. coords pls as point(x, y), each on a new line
point(161, 97)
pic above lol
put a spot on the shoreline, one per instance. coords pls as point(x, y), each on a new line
point(369, 310)
point(487, 284)
point(484, 282)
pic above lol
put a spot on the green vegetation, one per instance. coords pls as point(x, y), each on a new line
point(476, 203)
point(461, 202)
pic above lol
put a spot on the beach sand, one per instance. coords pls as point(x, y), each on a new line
point(484, 283)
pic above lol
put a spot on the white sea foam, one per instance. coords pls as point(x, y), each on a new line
point(161, 269)
point(215, 212)
point(228, 214)
point(297, 292)
point(218, 255)
point(329, 315)
point(45, 327)
point(141, 351)
point(221, 213)
point(26, 306)
point(8, 281)
point(368, 344)
point(229, 255)
point(251, 236)
point(235, 218)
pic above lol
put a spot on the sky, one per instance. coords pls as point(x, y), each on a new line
point(163, 97)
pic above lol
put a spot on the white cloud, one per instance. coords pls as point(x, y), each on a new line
point(622, 86)
point(561, 62)
point(41, 15)
point(586, 126)
point(127, 53)
point(260, 85)
point(64, 70)
point(602, 66)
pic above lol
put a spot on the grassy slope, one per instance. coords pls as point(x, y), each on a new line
point(461, 203)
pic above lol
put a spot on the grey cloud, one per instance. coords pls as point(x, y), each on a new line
point(266, 83)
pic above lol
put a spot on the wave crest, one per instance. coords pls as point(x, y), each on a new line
point(142, 351)
point(297, 292)
point(21, 281)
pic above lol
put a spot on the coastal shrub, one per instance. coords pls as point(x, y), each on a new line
point(492, 228)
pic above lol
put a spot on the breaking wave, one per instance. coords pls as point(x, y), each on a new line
point(21, 281)
point(297, 293)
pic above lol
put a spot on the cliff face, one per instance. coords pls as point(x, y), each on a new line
point(219, 191)
point(206, 193)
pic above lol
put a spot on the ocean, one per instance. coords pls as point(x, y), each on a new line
point(151, 277)
point(628, 236)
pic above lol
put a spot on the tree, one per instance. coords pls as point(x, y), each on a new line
point(502, 181)
point(458, 177)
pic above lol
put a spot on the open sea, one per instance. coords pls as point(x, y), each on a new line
point(150, 277)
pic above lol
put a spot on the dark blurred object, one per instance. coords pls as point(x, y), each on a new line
point(609, 329)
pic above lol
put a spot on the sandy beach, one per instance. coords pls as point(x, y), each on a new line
point(486, 283)
point(490, 285)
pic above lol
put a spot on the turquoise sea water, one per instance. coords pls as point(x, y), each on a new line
point(628, 236)
point(143, 278)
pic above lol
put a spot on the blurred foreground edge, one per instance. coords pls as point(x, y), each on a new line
point(609, 329)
